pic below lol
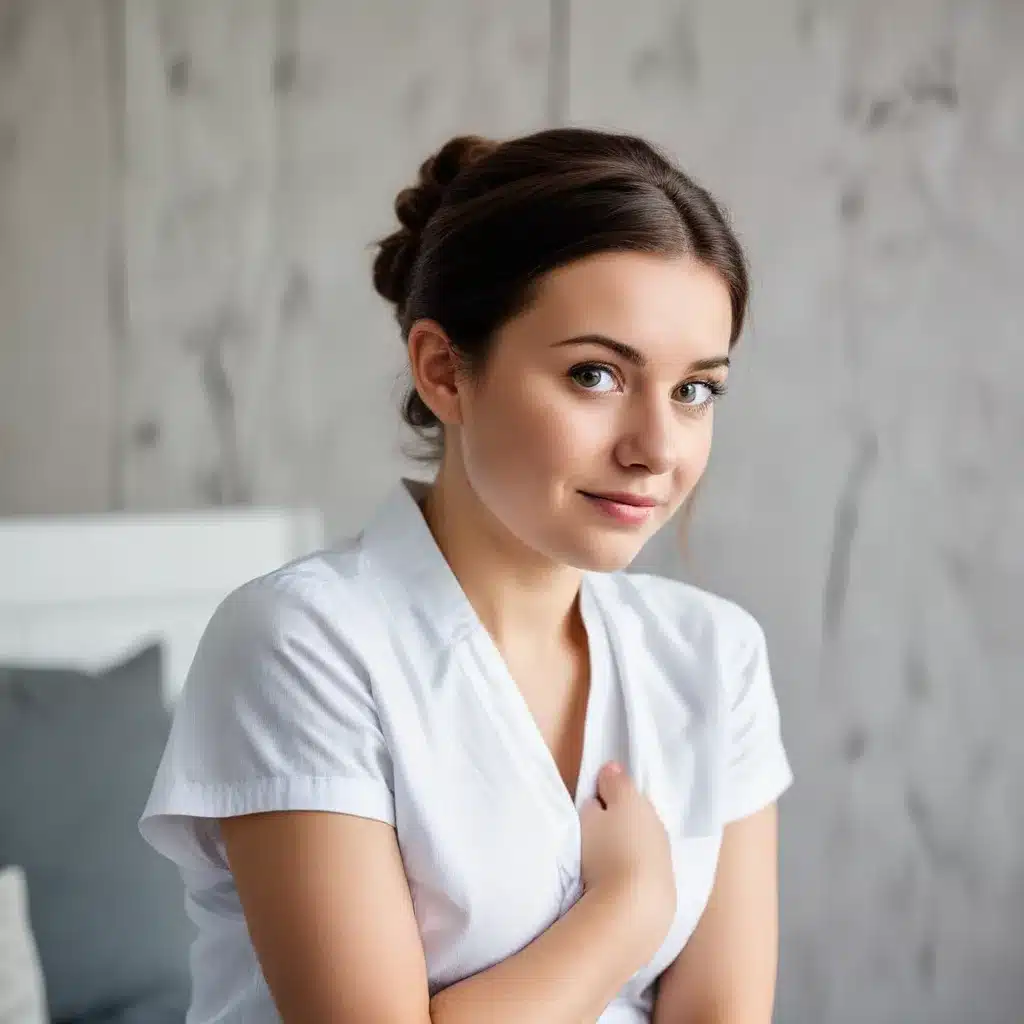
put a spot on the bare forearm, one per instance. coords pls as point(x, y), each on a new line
point(567, 975)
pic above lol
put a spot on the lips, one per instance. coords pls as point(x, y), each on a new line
point(622, 508)
point(623, 498)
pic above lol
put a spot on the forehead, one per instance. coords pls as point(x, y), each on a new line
point(660, 305)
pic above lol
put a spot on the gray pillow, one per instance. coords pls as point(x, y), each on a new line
point(78, 753)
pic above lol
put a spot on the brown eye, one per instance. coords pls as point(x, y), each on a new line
point(698, 393)
point(593, 377)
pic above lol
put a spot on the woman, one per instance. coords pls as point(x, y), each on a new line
point(461, 768)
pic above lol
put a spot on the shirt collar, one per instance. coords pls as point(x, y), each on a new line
point(401, 549)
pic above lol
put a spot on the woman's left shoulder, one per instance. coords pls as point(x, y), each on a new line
point(692, 614)
point(702, 665)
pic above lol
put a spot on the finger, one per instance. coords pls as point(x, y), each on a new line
point(611, 782)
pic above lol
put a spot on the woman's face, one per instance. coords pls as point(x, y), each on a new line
point(591, 421)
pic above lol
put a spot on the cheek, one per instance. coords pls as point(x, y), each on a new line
point(695, 452)
point(533, 429)
point(701, 451)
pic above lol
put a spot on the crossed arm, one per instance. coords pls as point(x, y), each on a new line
point(321, 890)
point(726, 972)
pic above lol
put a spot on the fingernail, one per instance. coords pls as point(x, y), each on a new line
point(614, 768)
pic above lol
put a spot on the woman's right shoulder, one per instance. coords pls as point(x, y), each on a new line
point(278, 709)
point(330, 593)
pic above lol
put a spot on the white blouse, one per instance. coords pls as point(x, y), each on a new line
point(360, 680)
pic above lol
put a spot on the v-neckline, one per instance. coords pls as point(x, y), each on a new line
point(540, 755)
point(401, 539)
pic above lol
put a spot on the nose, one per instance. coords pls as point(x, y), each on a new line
point(648, 438)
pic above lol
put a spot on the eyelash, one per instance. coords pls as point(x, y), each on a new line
point(715, 388)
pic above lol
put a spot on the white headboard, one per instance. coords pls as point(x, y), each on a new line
point(86, 590)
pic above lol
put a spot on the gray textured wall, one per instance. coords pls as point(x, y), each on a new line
point(187, 190)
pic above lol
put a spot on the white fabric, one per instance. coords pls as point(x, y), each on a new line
point(22, 993)
point(359, 680)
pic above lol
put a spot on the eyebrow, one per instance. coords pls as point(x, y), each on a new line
point(634, 355)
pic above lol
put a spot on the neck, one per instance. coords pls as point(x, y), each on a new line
point(520, 597)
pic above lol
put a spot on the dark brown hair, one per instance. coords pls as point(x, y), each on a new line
point(486, 220)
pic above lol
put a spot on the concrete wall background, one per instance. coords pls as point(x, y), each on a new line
point(187, 192)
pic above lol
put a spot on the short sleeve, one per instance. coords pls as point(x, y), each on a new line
point(276, 714)
point(757, 770)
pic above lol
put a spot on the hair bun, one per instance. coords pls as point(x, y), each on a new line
point(414, 206)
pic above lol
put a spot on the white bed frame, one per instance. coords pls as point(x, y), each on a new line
point(85, 591)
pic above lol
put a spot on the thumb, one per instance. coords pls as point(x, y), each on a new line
point(611, 782)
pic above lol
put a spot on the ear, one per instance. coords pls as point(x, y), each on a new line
point(435, 368)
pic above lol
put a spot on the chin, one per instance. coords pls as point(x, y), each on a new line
point(603, 555)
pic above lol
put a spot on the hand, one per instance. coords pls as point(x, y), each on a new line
point(626, 853)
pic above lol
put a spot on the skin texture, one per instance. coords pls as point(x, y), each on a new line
point(547, 420)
